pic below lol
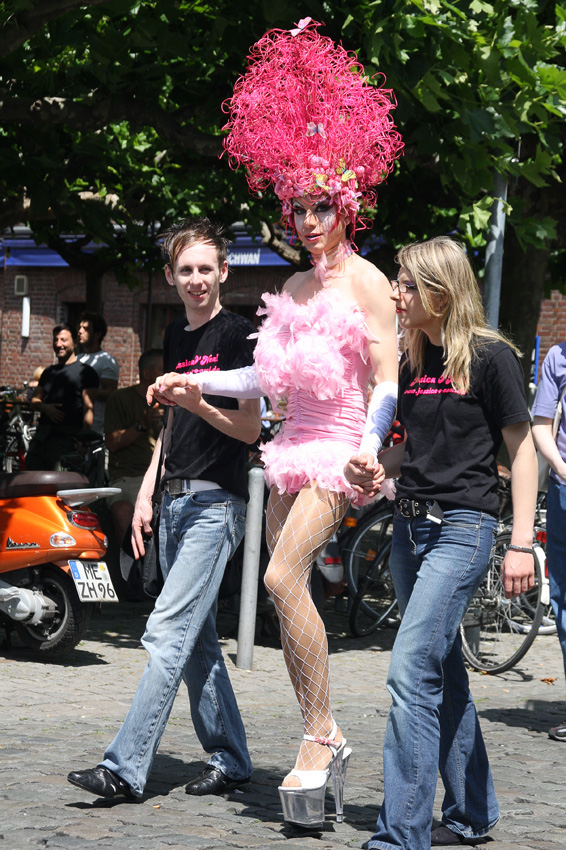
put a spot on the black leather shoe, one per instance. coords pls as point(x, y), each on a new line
point(212, 781)
point(443, 836)
point(102, 782)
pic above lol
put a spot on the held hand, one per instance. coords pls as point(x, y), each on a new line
point(161, 390)
point(517, 573)
point(190, 397)
point(53, 412)
point(141, 524)
point(153, 396)
point(364, 474)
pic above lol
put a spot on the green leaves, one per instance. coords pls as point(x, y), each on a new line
point(111, 112)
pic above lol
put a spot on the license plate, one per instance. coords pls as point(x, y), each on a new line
point(93, 582)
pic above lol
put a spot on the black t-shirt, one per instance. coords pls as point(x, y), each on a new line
point(453, 439)
point(64, 384)
point(197, 449)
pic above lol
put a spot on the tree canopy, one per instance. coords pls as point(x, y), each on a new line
point(481, 89)
point(111, 117)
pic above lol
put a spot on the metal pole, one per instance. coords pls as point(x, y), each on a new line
point(494, 252)
point(250, 571)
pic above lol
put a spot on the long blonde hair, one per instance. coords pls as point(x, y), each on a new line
point(448, 290)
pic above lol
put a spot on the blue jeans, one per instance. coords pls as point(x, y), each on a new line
point(556, 556)
point(198, 532)
point(432, 724)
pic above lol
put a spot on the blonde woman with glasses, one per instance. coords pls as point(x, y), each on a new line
point(460, 396)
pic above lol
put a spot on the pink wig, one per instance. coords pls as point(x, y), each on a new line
point(304, 119)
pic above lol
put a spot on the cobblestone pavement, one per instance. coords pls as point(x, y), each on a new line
point(59, 717)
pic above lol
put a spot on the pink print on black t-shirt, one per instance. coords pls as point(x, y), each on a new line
point(431, 385)
point(207, 361)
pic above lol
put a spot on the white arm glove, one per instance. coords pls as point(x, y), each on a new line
point(381, 413)
point(235, 383)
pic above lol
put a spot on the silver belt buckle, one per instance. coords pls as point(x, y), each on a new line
point(175, 486)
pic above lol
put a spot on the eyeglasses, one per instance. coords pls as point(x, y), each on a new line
point(402, 287)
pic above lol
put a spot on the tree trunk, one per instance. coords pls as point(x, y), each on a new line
point(93, 278)
point(522, 290)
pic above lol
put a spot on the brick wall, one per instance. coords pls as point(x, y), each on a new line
point(552, 323)
point(57, 294)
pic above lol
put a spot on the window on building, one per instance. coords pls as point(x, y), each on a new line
point(70, 312)
point(161, 316)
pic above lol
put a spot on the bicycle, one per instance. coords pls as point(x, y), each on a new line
point(497, 632)
point(548, 625)
point(365, 552)
point(17, 428)
point(375, 603)
point(359, 536)
point(360, 544)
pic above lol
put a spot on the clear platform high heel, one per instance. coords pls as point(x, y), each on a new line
point(304, 805)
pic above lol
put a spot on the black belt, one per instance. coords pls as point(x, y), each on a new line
point(413, 507)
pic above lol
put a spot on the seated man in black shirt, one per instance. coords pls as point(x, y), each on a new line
point(202, 521)
point(64, 398)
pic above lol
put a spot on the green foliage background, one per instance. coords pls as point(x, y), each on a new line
point(111, 116)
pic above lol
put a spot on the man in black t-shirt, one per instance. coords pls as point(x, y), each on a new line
point(64, 398)
point(203, 480)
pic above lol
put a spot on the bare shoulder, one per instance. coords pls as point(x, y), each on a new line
point(371, 288)
point(295, 283)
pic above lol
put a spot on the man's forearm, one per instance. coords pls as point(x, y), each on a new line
point(148, 484)
point(545, 443)
point(243, 424)
point(121, 438)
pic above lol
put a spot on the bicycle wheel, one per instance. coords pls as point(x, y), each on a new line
point(548, 623)
point(360, 548)
point(497, 632)
point(375, 603)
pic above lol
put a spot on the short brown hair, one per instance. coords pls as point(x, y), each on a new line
point(189, 232)
point(66, 327)
point(98, 322)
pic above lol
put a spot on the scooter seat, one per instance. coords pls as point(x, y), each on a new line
point(16, 485)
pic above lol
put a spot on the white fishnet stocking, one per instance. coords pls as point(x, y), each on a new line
point(298, 527)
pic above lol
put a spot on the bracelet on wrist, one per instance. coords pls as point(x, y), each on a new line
point(527, 549)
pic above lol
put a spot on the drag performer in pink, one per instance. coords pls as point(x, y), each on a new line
point(305, 120)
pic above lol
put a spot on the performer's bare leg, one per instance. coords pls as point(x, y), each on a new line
point(312, 517)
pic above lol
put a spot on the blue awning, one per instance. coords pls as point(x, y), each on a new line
point(247, 251)
point(244, 251)
point(24, 252)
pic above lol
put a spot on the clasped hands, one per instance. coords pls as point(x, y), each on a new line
point(174, 390)
point(365, 474)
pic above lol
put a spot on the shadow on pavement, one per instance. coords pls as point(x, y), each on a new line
point(536, 715)
point(122, 625)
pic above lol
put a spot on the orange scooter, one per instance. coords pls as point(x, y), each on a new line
point(52, 572)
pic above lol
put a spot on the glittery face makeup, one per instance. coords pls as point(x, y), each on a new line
point(318, 225)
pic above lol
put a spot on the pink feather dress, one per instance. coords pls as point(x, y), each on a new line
point(312, 359)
